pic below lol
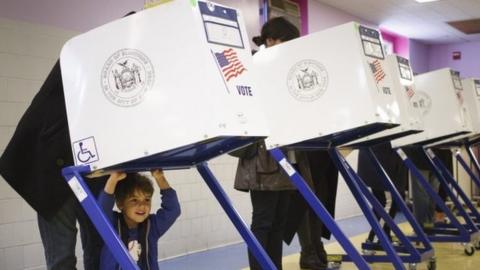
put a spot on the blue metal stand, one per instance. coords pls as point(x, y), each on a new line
point(447, 180)
point(89, 203)
point(109, 235)
point(320, 211)
point(252, 243)
point(467, 169)
point(462, 233)
point(416, 254)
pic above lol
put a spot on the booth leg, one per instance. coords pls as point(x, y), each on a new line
point(363, 197)
point(465, 166)
point(463, 234)
point(319, 209)
point(473, 158)
point(446, 178)
point(421, 236)
point(252, 243)
point(89, 203)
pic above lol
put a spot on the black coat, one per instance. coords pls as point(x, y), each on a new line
point(391, 163)
point(323, 182)
point(40, 148)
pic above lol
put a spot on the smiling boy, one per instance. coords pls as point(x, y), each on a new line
point(139, 230)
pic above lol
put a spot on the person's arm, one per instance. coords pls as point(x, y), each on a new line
point(170, 208)
point(106, 199)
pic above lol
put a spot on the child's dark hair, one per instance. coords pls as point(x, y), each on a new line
point(277, 28)
point(132, 183)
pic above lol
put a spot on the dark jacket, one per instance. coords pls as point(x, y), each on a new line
point(40, 148)
point(391, 163)
point(258, 170)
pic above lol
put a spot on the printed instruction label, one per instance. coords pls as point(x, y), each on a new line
point(77, 189)
point(287, 167)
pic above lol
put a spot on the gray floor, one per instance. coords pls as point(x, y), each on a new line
point(234, 256)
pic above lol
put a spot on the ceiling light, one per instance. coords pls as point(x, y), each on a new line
point(425, 1)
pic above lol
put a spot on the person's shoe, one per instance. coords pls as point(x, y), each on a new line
point(311, 261)
point(322, 254)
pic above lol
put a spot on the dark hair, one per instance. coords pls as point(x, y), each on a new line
point(277, 28)
point(132, 183)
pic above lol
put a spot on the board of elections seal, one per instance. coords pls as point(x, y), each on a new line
point(421, 102)
point(307, 80)
point(126, 76)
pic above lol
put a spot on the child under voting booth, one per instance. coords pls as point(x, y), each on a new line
point(438, 98)
point(172, 82)
point(308, 78)
point(403, 88)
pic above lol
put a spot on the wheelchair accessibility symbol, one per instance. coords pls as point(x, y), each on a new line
point(85, 151)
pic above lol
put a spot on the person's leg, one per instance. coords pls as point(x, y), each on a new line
point(263, 214)
point(422, 203)
point(380, 195)
point(59, 236)
point(275, 239)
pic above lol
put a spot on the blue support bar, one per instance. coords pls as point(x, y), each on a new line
point(467, 169)
point(74, 179)
point(446, 179)
point(421, 236)
point(319, 209)
point(252, 243)
point(363, 200)
point(463, 233)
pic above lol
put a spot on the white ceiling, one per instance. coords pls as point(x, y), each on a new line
point(425, 22)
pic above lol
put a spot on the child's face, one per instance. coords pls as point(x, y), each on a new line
point(136, 208)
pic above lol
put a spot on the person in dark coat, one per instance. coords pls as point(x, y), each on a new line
point(303, 220)
point(394, 168)
point(423, 206)
point(258, 173)
point(32, 164)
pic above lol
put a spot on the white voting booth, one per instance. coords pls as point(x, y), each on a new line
point(169, 77)
point(328, 89)
point(471, 94)
point(403, 89)
point(310, 92)
point(438, 98)
point(168, 87)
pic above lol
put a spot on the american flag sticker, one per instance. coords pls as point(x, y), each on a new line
point(229, 64)
point(409, 91)
point(377, 71)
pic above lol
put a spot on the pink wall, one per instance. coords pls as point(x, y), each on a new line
point(400, 43)
point(440, 56)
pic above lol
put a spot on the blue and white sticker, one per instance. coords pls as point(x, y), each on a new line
point(221, 25)
point(77, 189)
point(85, 151)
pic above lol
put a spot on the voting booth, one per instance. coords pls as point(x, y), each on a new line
point(325, 90)
point(438, 98)
point(403, 88)
point(147, 89)
point(307, 82)
point(168, 87)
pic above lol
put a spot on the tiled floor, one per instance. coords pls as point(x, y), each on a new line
point(235, 256)
point(448, 255)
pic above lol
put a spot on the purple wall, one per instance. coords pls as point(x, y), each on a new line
point(419, 57)
point(440, 56)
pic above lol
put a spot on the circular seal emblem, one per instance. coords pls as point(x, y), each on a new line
point(421, 102)
point(307, 80)
point(126, 76)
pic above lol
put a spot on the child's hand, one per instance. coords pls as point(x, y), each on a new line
point(160, 179)
point(117, 176)
point(112, 181)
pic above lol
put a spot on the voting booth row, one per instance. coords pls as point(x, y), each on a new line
point(175, 97)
